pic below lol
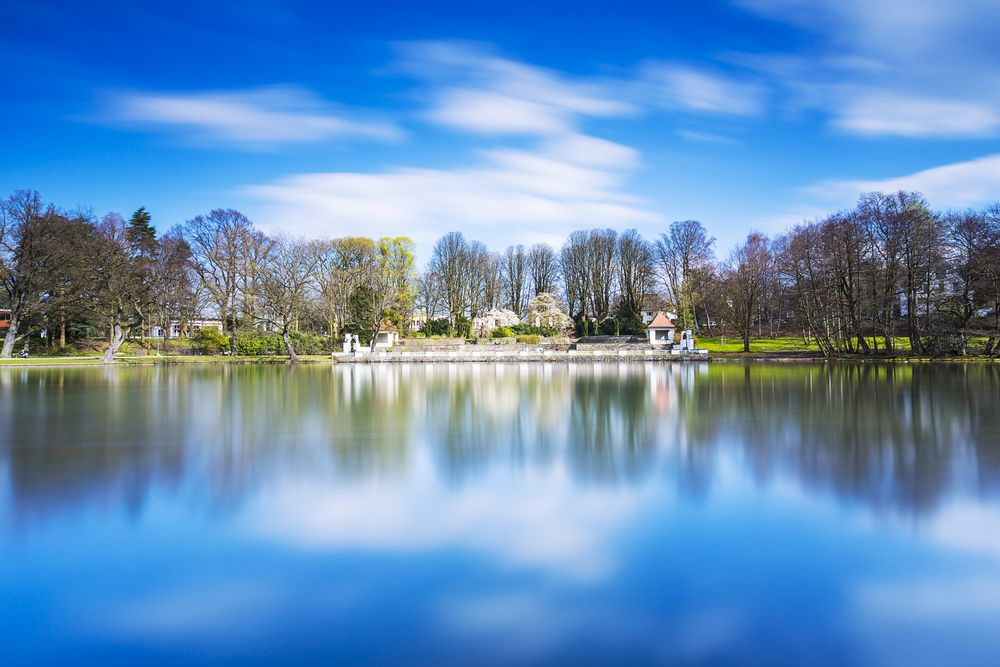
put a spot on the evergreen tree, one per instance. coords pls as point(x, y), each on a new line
point(140, 233)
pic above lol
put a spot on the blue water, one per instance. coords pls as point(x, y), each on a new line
point(703, 514)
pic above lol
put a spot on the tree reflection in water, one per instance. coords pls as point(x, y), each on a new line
point(896, 437)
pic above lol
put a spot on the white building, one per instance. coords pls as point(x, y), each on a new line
point(648, 315)
point(387, 337)
point(156, 331)
point(661, 330)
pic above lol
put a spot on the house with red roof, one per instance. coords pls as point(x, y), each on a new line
point(661, 330)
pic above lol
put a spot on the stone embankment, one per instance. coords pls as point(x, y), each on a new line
point(512, 353)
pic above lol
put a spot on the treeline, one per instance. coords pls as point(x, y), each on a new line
point(855, 282)
point(71, 275)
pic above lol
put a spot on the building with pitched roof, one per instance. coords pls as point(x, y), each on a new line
point(661, 330)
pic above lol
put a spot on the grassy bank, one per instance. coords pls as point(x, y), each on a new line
point(160, 360)
point(784, 344)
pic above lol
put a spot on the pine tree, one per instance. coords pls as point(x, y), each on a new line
point(140, 233)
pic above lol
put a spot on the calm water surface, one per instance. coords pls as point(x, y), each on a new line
point(479, 514)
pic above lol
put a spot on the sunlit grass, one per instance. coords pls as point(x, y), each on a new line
point(781, 344)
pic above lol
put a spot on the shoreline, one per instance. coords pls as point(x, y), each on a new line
point(639, 356)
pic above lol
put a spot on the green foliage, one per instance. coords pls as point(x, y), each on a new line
point(609, 327)
point(502, 332)
point(530, 339)
point(528, 329)
point(140, 233)
point(254, 344)
point(418, 334)
point(208, 341)
point(631, 326)
point(306, 343)
point(463, 327)
point(440, 327)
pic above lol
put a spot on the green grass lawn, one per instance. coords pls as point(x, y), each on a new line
point(153, 360)
point(780, 344)
point(42, 361)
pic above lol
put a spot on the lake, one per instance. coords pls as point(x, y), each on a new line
point(550, 514)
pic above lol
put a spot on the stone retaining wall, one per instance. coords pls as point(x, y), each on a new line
point(538, 353)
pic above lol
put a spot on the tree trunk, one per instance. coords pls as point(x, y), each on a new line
point(62, 331)
point(11, 337)
point(288, 346)
point(117, 338)
point(375, 333)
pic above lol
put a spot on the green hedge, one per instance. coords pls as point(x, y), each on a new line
point(530, 339)
point(502, 332)
point(209, 341)
point(253, 344)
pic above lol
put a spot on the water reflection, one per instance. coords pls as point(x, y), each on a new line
point(610, 513)
point(889, 437)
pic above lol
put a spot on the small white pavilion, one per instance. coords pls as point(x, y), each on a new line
point(387, 337)
point(661, 330)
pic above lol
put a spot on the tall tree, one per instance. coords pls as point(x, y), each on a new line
point(683, 253)
point(746, 275)
point(26, 255)
point(122, 282)
point(601, 255)
point(218, 246)
point(543, 269)
point(514, 276)
point(285, 283)
point(635, 272)
point(450, 264)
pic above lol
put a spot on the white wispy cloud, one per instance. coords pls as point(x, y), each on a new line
point(675, 86)
point(250, 118)
point(956, 185)
point(473, 89)
point(889, 68)
point(560, 185)
point(908, 116)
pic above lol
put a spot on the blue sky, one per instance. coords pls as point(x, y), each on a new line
point(512, 122)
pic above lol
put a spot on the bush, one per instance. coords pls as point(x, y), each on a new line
point(530, 339)
point(418, 334)
point(502, 332)
point(528, 329)
point(304, 343)
point(208, 341)
point(609, 327)
point(441, 327)
point(632, 326)
point(253, 344)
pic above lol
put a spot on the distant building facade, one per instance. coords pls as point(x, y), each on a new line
point(176, 328)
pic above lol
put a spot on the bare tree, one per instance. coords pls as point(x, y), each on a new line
point(601, 256)
point(514, 274)
point(576, 279)
point(217, 246)
point(450, 264)
point(285, 282)
point(746, 275)
point(635, 273)
point(683, 253)
point(543, 269)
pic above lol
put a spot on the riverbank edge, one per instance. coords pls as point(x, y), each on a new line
point(714, 357)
